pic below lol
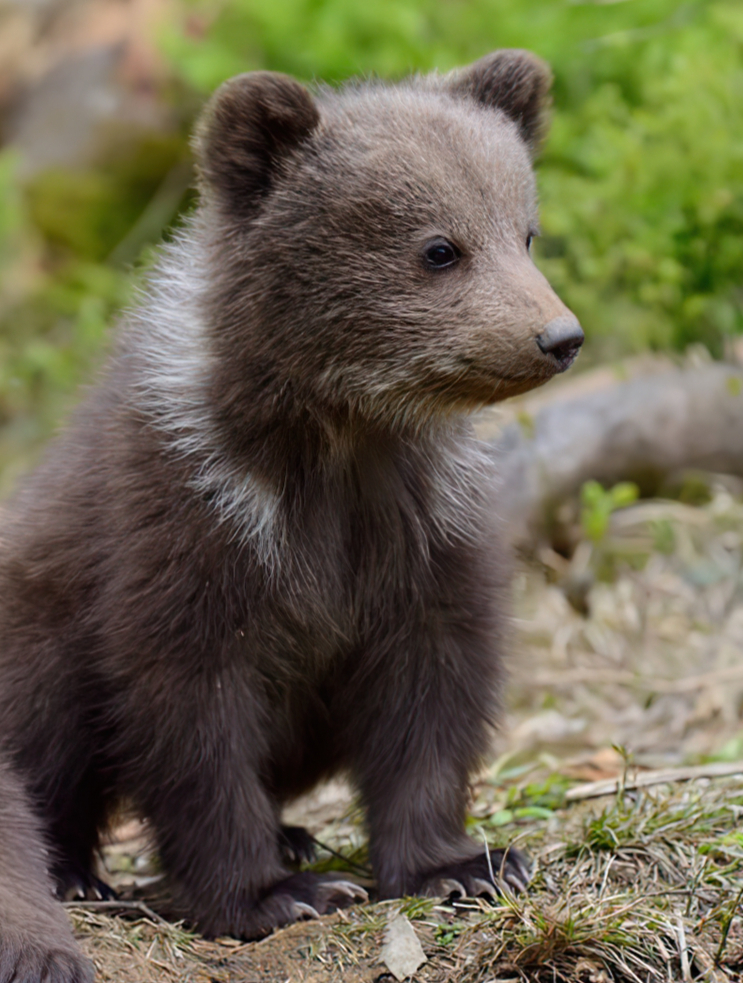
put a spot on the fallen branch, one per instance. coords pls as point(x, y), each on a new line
point(622, 677)
point(610, 786)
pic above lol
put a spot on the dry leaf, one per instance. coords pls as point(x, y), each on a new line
point(402, 953)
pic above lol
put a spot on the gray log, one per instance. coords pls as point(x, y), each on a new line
point(641, 430)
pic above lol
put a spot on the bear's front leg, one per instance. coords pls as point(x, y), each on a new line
point(427, 725)
point(198, 780)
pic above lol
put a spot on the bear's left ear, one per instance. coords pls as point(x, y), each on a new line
point(515, 81)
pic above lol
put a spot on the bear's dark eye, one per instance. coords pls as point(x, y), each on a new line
point(439, 254)
point(529, 239)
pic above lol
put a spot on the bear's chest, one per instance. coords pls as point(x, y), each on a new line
point(343, 569)
point(359, 552)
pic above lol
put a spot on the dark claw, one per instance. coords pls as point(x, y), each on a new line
point(340, 893)
point(75, 883)
point(302, 911)
point(443, 887)
point(298, 897)
point(321, 892)
point(472, 879)
point(324, 892)
point(484, 889)
point(297, 845)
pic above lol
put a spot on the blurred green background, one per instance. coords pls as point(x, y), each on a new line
point(641, 179)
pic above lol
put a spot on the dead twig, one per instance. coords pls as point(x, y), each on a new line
point(610, 786)
point(619, 677)
point(121, 906)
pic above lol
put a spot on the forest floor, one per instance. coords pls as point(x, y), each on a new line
point(615, 771)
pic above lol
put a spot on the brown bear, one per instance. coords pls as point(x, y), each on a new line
point(264, 551)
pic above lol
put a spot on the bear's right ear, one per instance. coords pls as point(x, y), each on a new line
point(515, 81)
point(251, 123)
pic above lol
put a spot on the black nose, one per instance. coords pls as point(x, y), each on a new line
point(562, 338)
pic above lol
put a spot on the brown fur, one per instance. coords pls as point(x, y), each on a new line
point(264, 551)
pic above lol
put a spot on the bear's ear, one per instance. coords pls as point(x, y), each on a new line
point(514, 81)
point(251, 124)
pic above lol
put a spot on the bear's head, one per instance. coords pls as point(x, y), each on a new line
point(369, 247)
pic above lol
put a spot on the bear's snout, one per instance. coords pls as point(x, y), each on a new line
point(561, 338)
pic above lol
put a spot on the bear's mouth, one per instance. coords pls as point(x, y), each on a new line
point(484, 389)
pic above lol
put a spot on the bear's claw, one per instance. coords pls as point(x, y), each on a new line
point(480, 876)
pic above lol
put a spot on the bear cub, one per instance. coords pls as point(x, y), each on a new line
point(264, 550)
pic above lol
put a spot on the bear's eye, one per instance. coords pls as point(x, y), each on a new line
point(528, 242)
point(439, 254)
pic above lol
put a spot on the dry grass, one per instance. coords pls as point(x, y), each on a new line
point(654, 661)
point(645, 886)
point(641, 886)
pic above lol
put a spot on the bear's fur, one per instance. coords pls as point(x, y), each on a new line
point(264, 550)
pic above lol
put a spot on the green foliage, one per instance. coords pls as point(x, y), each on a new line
point(538, 799)
point(355, 860)
point(61, 286)
point(448, 933)
point(48, 346)
point(504, 817)
point(87, 213)
point(598, 505)
point(641, 820)
point(642, 186)
point(11, 211)
point(731, 750)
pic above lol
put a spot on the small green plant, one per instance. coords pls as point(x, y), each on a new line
point(664, 537)
point(538, 799)
point(504, 817)
point(597, 505)
point(446, 934)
